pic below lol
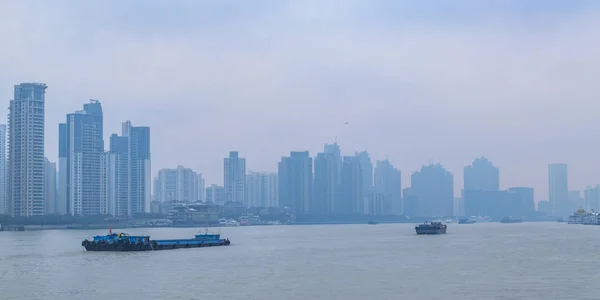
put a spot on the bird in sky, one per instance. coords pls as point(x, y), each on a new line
point(346, 123)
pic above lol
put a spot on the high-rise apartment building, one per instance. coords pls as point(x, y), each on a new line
point(367, 172)
point(334, 149)
point(558, 186)
point(215, 194)
point(327, 183)
point(261, 189)
point(592, 197)
point(388, 182)
point(201, 188)
point(177, 185)
point(26, 150)
point(81, 153)
point(128, 188)
point(434, 188)
point(50, 193)
point(352, 186)
point(3, 173)
point(481, 175)
point(295, 179)
point(234, 168)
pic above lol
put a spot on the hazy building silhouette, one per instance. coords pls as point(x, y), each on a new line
point(337, 153)
point(295, 176)
point(261, 189)
point(50, 192)
point(410, 202)
point(367, 173)
point(201, 188)
point(128, 171)
point(544, 206)
point(592, 197)
point(434, 187)
point(4, 207)
point(558, 189)
point(459, 206)
point(377, 204)
point(82, 139)
point(63, 170)
point(177, 185)
point(327, 183)
point(215, 194)
point(352, 187)
point(234, 174)
point(388, 182)
point(26, 120)
point(575, 202)
point(515, 202)
point(524, 200)
point(481, 175)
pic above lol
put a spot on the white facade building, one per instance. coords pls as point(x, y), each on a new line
point(26, 150)
point(261, 189)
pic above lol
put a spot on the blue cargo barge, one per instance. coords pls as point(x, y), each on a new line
point(124, 242)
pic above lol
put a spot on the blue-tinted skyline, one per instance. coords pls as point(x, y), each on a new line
point(418, 81)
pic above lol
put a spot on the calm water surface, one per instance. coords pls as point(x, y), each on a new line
point(478, 261)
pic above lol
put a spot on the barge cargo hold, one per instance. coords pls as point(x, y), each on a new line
point(120, 242)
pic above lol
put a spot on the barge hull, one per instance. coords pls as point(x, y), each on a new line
point(148, 247)
point(431, 231)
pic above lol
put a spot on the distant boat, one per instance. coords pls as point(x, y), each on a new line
point(466, 221)
point(510, 220)
point(373, 223)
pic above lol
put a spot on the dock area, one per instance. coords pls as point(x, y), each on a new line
point(12, 227)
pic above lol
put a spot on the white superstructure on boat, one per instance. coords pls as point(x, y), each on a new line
point(585, 217)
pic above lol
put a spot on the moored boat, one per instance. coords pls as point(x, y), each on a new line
point(466, 221)
point(120, 242)
point(431, 228)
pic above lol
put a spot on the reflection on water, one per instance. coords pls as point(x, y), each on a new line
point(386, 261)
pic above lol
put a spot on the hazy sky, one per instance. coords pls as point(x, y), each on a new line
point(419, 81)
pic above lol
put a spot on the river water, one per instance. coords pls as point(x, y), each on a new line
point(385, 261)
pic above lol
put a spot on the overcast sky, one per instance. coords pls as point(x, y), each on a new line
point(419, 81)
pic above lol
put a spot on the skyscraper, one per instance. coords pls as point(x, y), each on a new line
point(327, 183)
point(201, 188)
point(367, 172)
point(3, 173)
point(215, 194)
point(63, 170)
point(128, 189)
point(352, 187)
point(234, 175)
point(388, 183)
point(592, 197)
point(50, 186)
point(81, 147)
point(295, 178)
point(558, 186)
point(26, 150)
point(334, 149)
point(481, 175)
point(177, 185)
point(434, 188)
point(261, 189)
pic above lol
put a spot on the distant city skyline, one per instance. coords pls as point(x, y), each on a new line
point(514, 81)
